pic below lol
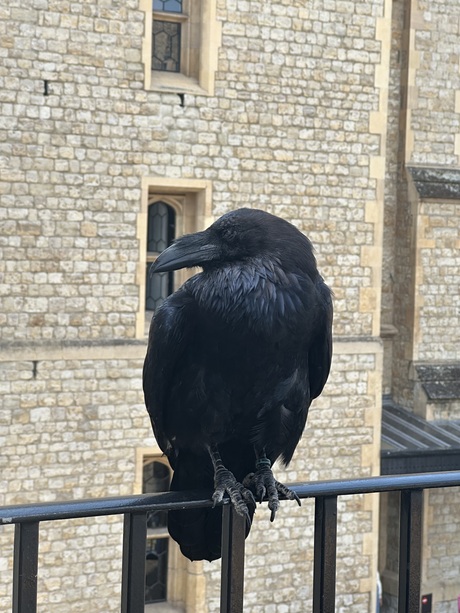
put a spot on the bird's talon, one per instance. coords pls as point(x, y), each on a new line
point(239, 495)
point(217, 497)
point(261, 492)
point(248, 496)
point(248, 519)
point(274, 504)
point(263, 483)
point(290, 495)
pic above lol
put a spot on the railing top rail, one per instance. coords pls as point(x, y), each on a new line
point(186, 500)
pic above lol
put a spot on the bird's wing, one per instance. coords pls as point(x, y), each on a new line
point(168, 338)
point(320, 350)
point(281, 421)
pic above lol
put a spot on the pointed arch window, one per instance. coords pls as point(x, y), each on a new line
point(169, 209)
point(161, 230)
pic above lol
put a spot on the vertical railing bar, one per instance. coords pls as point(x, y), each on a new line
point(133, 569)
point(25, 567)
point(232, 571)
point(324, 565)
point(410, 551)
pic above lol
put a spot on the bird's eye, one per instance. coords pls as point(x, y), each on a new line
point(229, 233)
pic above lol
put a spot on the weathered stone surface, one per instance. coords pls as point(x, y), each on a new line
point(439, 183)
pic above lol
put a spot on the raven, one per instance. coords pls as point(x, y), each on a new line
point(235, 357)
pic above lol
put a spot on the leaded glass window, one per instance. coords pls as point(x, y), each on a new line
point(160, 234)
point(166, 46)
point(168, 18)
point(156, 477)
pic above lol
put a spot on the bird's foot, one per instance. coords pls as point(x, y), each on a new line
point(241, 497)
point(263, 483)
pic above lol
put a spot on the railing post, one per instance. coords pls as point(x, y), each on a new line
point(25, 567)
point(232, 573)
point(325, 554)
point(410, 551)
point(133, 570)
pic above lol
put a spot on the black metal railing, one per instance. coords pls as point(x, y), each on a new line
point(27, 520)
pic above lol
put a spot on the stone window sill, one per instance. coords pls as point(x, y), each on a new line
point(176, 83)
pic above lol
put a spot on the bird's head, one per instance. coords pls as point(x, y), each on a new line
point(238, 236)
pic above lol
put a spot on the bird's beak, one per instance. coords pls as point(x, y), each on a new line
point(188, 251)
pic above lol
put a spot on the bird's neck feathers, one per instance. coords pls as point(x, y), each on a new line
point(258, 294)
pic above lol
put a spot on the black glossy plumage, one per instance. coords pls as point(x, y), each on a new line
point(235, 356)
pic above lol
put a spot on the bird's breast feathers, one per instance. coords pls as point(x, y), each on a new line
point(261, 296)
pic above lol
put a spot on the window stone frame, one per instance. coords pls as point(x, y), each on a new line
point(202, 34)
point(191, 200)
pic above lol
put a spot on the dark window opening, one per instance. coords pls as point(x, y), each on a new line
point(161, 229)
point(156, 478)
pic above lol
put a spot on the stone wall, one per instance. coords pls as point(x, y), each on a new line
point(70, 429)
point(426, 242)
point(420, 290)
point(435, 91)
point(73, 160)
point(442, 545)
point(438, 280)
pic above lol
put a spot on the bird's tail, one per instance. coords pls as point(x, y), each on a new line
point(198, 531)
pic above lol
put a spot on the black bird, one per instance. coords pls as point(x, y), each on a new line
point(234, 359)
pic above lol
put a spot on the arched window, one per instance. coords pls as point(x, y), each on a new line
point(155, 478)
point(161, 229)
